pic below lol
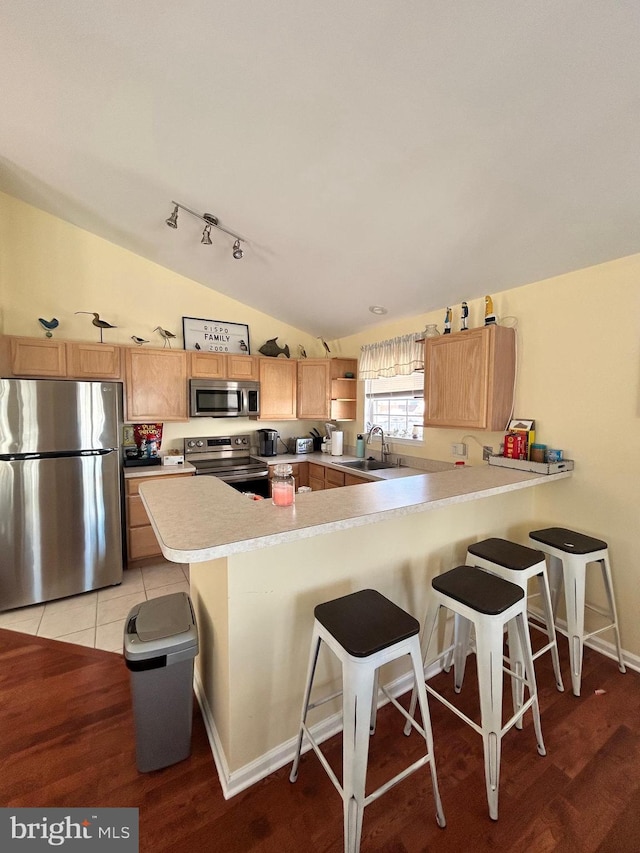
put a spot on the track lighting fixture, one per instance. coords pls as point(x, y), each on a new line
point(210, 222)
point(172, 221)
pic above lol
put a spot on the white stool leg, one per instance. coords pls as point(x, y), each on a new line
point(516, 664)
point(547, 609)
point(430, 625)
point(489, 639)
point(556, 581)
point(574, 570)
point(608, 585)
point(461, 631)
point(418, 670)
point(311, 670)
point(525, 646)
point(358, 679)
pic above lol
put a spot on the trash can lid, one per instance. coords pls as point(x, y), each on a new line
point(164, 617)
point(160, 626)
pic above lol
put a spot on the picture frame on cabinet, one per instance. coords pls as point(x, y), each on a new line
point(215, 336)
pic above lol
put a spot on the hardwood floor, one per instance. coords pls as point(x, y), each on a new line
point(66, 739)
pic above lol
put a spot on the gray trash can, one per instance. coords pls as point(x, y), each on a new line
point(160, 643)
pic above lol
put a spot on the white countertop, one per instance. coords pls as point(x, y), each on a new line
point(158, 470)
point(203, 518)
point(338, 463)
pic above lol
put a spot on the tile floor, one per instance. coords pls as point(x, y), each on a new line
point(96, 619)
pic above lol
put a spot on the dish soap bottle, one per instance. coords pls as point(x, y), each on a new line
point(283, 488)
point(360, 447)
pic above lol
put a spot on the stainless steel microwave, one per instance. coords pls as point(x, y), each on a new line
point(222, 398)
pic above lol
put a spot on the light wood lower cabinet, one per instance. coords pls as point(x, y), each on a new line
point(352, 480)
point(141, 540)
point(299, 471)
point(321, 477)
point(316, 476)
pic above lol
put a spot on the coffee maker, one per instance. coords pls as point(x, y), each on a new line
point(268, 442)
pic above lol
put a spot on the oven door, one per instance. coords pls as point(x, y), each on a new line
point(257, 485)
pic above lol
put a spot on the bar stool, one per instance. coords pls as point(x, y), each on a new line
point(489, 603)
point(517, 563)
point(569, 553)
point(364, 630)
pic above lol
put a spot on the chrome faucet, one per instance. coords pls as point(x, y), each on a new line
point(384, 447)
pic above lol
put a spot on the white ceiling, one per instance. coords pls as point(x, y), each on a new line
point(404, 153)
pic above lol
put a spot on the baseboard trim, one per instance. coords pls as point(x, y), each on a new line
point(233, 782)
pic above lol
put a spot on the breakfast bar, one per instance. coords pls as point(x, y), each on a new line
point(257, 571)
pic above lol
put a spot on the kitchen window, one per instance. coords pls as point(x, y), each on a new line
point(397, 405)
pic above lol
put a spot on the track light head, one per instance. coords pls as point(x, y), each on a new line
point(172, 221)
point(210, 222)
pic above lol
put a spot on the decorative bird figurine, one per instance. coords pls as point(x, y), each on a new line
point(197, 345)
point(49, 325)
point(302, 351)
point(98, 323)
point(165, 334)
point(243, 346)
point(138, 341)
point(324, 344)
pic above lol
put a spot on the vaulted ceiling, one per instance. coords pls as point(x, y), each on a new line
point(402, 153)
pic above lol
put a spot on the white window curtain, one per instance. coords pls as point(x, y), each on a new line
point(396, 357)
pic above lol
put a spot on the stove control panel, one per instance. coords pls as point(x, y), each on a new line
point(217, 444)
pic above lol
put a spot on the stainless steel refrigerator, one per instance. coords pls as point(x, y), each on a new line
point(60, 489)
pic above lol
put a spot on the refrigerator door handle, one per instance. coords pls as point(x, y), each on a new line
point(64, 454)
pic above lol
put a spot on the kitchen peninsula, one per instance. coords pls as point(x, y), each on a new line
point(257, 571)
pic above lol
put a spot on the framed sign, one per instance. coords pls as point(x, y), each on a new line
point(215, 336)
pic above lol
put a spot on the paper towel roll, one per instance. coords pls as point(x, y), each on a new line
point(336, 443)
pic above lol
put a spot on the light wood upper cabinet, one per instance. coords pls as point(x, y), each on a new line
point(218, 365)
point(469, 378)
point(324, 391)
point(94, 361)
point(278, 386)
point(156, 384)
point(314, 389)
point(47, 358)
point(344, 402)
point(33, 357)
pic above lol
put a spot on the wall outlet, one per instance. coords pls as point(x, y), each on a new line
point(459, 449)
point(486, 452)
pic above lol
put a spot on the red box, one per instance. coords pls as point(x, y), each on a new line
point(515, 445)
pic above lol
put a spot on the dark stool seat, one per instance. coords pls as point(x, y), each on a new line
point(366, 622)
point(502, 552)
point(489, 603)
point(520, 564)
point(568, 540)
point(569, 553)
point(484, 593)
point(364, 631)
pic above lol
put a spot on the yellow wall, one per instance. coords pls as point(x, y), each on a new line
point(579, 377)
point(579, 357)
point(49, 268)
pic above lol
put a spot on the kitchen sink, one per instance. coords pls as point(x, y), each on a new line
point(368, 465)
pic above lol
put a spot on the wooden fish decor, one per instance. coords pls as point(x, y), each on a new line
point(271, 349)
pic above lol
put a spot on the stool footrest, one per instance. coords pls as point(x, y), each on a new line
point(323, 760)
point(402, 775)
